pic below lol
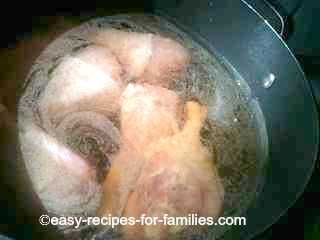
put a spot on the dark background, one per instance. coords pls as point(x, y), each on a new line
point(25, 28)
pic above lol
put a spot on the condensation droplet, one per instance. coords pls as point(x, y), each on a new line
point(210, 3)
point(211, 19)
point(235, 120)
point(269, 80)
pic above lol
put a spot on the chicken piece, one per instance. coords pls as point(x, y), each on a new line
point(168, 62)
point(120, 181)
point(91, 81)
point(133, 50)
point(147, 58)
point(147, 113)
point(63, 180)
point(178, 179)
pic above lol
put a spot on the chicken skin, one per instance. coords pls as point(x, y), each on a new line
point(162, 169)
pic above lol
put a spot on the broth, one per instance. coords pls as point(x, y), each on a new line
point(234, 129)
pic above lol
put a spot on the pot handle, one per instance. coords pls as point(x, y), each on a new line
point(273, 13)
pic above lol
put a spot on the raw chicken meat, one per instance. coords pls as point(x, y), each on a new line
point(134, 50)
point(167, 63)
point(147, 113)
point(147, 58)
point(52, 165)
point(91, 81)
point(177, 179)
point(162, 169)
point(120, 181)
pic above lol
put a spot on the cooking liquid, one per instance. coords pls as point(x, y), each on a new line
point(234, 130)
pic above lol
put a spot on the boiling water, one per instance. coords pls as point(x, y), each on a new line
point(234, 130)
